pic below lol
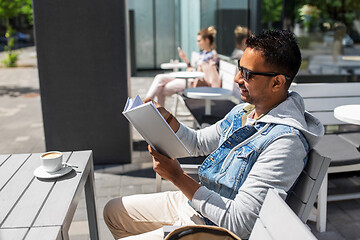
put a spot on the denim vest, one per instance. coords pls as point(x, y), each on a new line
point(226, 169)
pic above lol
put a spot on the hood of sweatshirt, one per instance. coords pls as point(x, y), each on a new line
point(292, 112)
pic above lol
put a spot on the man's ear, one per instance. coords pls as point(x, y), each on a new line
point(279, 83)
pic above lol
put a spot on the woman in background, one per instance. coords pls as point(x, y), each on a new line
point(241, 34)
point(165, 85)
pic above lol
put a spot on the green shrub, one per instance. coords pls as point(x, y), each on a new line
point(10, 59)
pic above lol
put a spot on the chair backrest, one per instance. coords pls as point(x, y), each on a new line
point(224, 57)
point(303, 195)
point(227, 72)
point(322, 98)
point(278, 222)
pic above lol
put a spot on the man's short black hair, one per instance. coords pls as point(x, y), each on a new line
point(280, 50)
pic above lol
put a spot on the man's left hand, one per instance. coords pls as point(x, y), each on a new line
point(166, 167)
point(171, 170)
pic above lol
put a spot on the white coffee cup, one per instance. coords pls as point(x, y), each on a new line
point(52, 161)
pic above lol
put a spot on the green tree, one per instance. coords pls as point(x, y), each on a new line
point(11, 9)
point(271, 11)
point(333, 10)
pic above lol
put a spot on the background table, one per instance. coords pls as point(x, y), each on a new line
point(341, 65)
point(324, 64)
point(32, 208)
point(173, 65)
point(208, 93)
point(187, 75)
point(348, 113)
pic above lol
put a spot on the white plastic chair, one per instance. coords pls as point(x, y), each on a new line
point(276, 221)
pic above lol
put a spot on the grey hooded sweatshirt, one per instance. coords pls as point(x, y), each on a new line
point(278, 166)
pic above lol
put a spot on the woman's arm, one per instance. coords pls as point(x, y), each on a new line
point(184, 57)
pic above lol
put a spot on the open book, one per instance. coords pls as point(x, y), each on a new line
point(149, 122)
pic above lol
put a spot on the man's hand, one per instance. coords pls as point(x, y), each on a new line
point(167, 168)
point(170, 119)
point(161, 109)
point(171, 170)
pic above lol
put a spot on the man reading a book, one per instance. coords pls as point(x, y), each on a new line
point(260, 144)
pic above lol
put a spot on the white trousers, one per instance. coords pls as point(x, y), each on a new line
point(142, 216)
point(165, 85)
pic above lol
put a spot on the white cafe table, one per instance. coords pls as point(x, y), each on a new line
point(34, 208)
point(348, 63)
point(187, 75)
point(208, 93)
point(173, 65)
point(348, 113)
point(340, 65)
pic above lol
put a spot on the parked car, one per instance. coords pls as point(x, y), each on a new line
point(346, 41)
point(3, 40)
point(22, 37)
point(19, 37)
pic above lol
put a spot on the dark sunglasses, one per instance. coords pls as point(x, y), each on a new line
point(245, 73)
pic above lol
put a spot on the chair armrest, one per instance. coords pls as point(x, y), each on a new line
point(169, 228)
point(190, 168)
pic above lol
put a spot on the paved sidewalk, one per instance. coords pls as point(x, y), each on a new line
point(21, 130)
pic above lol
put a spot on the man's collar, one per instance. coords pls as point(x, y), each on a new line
point(249, 108)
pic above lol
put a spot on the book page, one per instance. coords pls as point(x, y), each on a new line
point(132, 103)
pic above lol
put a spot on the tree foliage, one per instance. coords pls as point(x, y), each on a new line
point(10, 9)
point(13, 8)
point(271, 11)
point(333, 10)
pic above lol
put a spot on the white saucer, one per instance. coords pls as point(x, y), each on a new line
point(41, 173)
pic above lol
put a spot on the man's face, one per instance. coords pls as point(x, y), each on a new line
point(258, 89)
point(202, 43)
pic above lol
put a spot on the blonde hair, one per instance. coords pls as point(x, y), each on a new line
point(211, 30)
point(239, 30)
point(209, 33)
point(241, 33)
